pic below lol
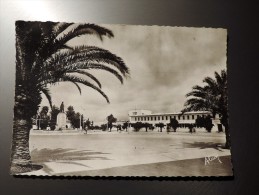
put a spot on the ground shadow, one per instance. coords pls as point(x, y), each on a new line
point(64, 156)
point(61, 154)
point(203, 145)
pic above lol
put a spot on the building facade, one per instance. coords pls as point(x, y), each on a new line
point(146, 116)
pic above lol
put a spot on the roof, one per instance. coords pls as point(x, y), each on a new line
point(174, 113)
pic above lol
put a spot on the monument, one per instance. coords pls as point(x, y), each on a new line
point(61, 118)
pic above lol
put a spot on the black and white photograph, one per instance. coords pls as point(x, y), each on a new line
point(120, 100)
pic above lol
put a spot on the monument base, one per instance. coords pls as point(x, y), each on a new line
point(61, 121)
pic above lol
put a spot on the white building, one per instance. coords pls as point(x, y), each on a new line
point(146, 116)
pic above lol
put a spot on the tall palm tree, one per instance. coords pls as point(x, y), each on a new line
point(212, 97)
point(43, 57)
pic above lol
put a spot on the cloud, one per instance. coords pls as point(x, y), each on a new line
point(164, 62)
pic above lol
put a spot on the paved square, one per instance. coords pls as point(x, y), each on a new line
point(130, 154)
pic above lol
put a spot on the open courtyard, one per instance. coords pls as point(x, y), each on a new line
point(131, 154)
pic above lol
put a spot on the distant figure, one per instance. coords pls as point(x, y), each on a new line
point(62, 107)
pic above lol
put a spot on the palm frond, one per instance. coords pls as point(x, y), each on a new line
point(84, 82)
point(83, 72)
point(218, 77)
point(69, 58)
point(84, 29)
point(195, 104)
point(78, 87)
point(211, 82)
point(60, 27)
point(106, 68)
point(47, 94)
point(197, 87)
point(197, 93)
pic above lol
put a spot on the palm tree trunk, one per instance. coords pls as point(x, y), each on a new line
point(20, 157)
point(228, 143)
point(26, 106)
point(224, 122)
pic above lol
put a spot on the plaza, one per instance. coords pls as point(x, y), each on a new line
point(130, 154)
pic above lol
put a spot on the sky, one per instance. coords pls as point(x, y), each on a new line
point(165, 63)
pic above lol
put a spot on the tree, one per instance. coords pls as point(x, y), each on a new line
point(146, 126)
point(119, 127)
point(137, 126)
point(111, 119)
point(92, 125)
point(45, 57)
point(44, 117)
point(70, 112)
point(53, 117)
point(73, 117)
point(125, 125)
point(205, 122)
point(191, 128)
point(87, 124)
point(76, 120)
point(160, 125)
point(208, 123)
point(174, 124)
point(199, 121)
point(104, 127)
point(211, 97)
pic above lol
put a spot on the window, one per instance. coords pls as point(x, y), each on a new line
point(162, 117)
point(155, 118)
point(183, 117)
point(144, 118)
point(188, 117)
point(158, 118)
point(174, 117)
point(179, 117)
point(166, 117)
point(171, 117)
point(192, 116)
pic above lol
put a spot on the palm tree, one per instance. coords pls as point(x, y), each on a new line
point(44, 57)
point(211, 97)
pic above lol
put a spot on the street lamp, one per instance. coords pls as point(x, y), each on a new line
point(80, 126)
